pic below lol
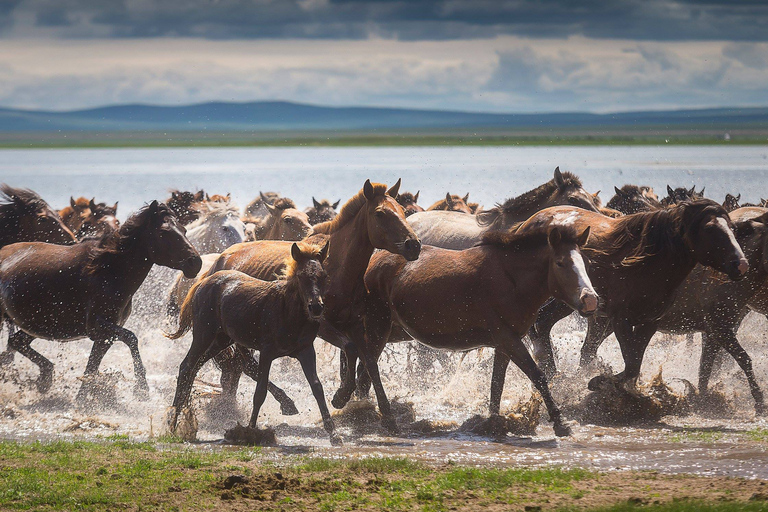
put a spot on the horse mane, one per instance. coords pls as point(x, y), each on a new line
point(311, 250)
point(114, 243)
point(15, 203)
point(524, 240)
point(349, 210)
point(284, 203)
point(211, 211)
point(654, 233)
point(527, 200)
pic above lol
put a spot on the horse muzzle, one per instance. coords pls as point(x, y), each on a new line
point(192, 266)
point(412, 249)
point(588, 302)
point(737, 269)
point(315, 309)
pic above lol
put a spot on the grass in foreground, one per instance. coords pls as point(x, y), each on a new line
point(120, 474)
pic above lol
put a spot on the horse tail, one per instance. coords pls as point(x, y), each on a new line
point(186, 315)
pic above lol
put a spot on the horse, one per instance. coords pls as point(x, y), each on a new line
point(714, 306)
point(74, 215)
point(218, 227)
point(637, 264)
point(101, 218)
point(26, 217)
point(285, 222)
point(257, 208)
point(631, 199)
point(321, 211)
point(64, 293)
point(186, 205)
point(486, 296)
point(451, 230)
point(680, 194)
point(731, 202)
point(370, 220)
point(277, 318)
point(452, 203)
point(409, 202)
point(218, 198)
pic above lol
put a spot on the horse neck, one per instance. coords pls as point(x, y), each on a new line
point(350, 251)
point(534, 271)
point(129, 267)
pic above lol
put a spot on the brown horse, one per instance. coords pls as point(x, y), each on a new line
point(731, 202)
point(486, 296)
point(185, 205)
point(25, 217)
point(285, 222)
point(409, 202)
point(277, 318)
point(680, 194)
point(84, 290)
point(452, 203)
point(101, 219)
point(218, 198)
point(75, 214)
point(637, 264)
point(257, 208)
point(709, 304)
point(371, 220)
point(631, 199)
point(321, 211)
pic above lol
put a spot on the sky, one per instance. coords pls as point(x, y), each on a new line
point(475, 55)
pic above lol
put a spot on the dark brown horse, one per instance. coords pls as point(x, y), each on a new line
point(452, 203)
point(712, 305)
point(680, 194)
point(25, 217)
point(637, 264)
point(185, 205)
point(631, 199)
point(321, 211)
point(285, 222)
point(64, 293)
point(101, 219)
point(277, 318)
point(371, 220)
point(409, 202)
point(486, 296)
point(731, 202)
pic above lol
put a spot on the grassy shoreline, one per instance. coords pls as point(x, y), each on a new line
point(126, 475)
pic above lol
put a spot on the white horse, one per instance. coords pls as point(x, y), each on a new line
point(218, 227)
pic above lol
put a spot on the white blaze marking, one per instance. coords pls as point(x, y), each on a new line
point(581, 272)
point(732, 238)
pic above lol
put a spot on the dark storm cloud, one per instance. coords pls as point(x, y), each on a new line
point(664, 20)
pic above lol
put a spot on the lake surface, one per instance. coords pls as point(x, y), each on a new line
point(489, 174)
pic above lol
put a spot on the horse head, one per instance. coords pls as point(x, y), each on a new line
point(567, 277)
point(387, 227)
point(167, 242)
point(708, 233)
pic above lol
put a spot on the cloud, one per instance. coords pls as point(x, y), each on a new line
point(662, 20)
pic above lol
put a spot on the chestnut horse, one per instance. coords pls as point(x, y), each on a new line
point(637, 264)
point(25, 217)
point(486, 296)
point(65, 293)
point(277, 318)
point(371, 220)
point(452, 203)
point(714, 306)
point(457, 231)
point(321, 211)
point(409, 202)
point(285, 222)
point(74, 215)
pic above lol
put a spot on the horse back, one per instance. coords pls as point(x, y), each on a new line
point(263, 259)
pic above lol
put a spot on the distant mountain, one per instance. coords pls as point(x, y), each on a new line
point(276, 115)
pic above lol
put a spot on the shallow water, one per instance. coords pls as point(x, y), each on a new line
point(453, 392)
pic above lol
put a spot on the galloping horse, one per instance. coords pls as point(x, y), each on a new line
point(409, 202)
point(370, 220)
point(452, 203)
point(680, 194)
point(218, 227)
point(75, 214)
point(731, 202)
point(486, 296)
point(277, 318)
point(321, 211)
point(64, 293)
point(637, 264)
point(101, 219)
point(25, 217)
point(631, 199)
point(285, 222)
point(451, 230)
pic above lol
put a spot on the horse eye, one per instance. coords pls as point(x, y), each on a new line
point(560, 263)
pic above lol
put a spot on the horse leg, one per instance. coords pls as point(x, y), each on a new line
point(514, 348)
point(598, 329)
point(633, 343)
point(265, 363)
point(21, 342)
point(500, 364)
point(709, 349)
point(104, 330)
point(308, 360)
point(363, 389)
point(251, 369)
point(540, 334)
point(347, 362)
point(726, 337)
point(6, 357)
point(98, 351)
point(231, 365)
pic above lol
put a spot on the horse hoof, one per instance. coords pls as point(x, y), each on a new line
point(597, 382)
point(336, 440)
point(289, 409)
point(338, 402)
point(562, 430)
point(390, 425)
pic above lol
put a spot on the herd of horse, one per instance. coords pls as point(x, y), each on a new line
point(381, 269)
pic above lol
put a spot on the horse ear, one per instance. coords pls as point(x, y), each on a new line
point(416, 197)
point(670, 192)
point(153, 207)
point(596, 195)
point(296, 252)
point(554, 237)
point(448, 198)
point(271, 209)
point(738, 197)
point(324, 252)
point(368, 190)
point(115, 207)
point(559, 180)
point(701, 192)
point(229, 196)
point(618, 191)
point(92, 203)
point(392, 192)
point(583, 238)
point(207, 197)
point(315, 203)
point(72, 202)
point(465, 198)
point(336, 204)
point(200, 195)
